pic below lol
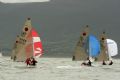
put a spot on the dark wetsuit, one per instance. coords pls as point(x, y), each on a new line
point(33, 63)
point(103, 63)
point(73, 58)
point(87, 64)
point(14, 58)
point(111, 63)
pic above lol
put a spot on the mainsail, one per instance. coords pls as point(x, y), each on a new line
point(26, 43)
point(103, 52)
point(80, 53)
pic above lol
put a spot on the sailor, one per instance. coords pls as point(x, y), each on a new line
point(89, 63)
point(84, 64)
point(111, 62)
point(33, 62)
point(28, 61)
point(73, 58)
point(14, 58)
point(103, 63)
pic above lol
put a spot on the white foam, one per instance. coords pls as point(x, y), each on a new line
point(68, 67)
point(22, 1)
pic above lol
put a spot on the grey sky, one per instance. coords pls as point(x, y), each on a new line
point(61, 20)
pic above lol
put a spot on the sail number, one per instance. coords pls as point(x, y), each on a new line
point(23, 34)
point(22, 41)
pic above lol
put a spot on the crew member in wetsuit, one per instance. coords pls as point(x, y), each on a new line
point(28, 61)
point(33, 62)
point(103, 63)
point(89, 63)
point(110, 63)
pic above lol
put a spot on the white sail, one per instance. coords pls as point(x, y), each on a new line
point(112, 47)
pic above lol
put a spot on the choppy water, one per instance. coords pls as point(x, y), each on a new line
point(57, 69)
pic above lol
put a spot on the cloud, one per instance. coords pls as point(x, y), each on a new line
point(22, 1)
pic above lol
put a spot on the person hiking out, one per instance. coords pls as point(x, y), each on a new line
point(84, 64)
point(14, 58)
point(28, 61)
point(33, 62)
point(110, 63)
point(103, 63)
point(89, 63)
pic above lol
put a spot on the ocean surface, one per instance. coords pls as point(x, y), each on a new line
point(59, 22)
point(57, 69)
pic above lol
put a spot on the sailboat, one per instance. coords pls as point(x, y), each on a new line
point(80, 53)
point(108, 49)
point(27, 44)
point(87, 47)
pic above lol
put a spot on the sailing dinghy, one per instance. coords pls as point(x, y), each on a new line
point(27, 44)
point(80, 53)
point(108, 49)
point(88, 47)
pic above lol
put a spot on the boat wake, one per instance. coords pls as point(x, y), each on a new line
point(69, 67)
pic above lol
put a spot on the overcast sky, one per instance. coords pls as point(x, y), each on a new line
point(22, 1)
point(61, 20)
